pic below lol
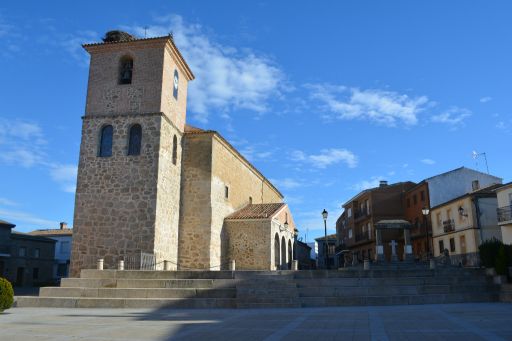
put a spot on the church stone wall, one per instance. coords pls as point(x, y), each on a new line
point(249, 243)
point(243, 183)
point(195, 210)
point(106, 96)
point(168, 195)
point(115, 202)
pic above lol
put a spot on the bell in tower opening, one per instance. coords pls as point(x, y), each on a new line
point(125, 72)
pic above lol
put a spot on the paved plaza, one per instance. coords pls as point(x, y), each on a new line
point(484, 321)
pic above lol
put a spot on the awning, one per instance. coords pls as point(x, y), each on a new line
point(393, 224)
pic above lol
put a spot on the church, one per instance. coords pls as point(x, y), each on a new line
point(149, 183)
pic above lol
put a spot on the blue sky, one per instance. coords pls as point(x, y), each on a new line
point(325, 98)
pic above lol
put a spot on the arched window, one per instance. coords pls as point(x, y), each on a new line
point(135, 140)
point(125, 70)
point(174, 149)
point(106, 141)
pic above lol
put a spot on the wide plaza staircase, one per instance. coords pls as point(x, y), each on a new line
point(266, 289)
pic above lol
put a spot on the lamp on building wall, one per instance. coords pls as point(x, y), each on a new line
point(462, 211)
point(425, 210)
point(324, 215)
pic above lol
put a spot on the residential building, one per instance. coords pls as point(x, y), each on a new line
point(355, 228)
point(461, 224)
point(303, 255)
point(63, 237)
point(504, 196)
point(449, 185)
point(323, 260)
point(25, 260)
point(434, 191)
point(416, 199)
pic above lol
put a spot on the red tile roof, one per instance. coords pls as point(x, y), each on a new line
point(256, 211)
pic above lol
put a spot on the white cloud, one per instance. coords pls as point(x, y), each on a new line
point(22, 143)
point(16, 217)
point(7, 202)
point(65, 175)
point(454, 116)
point(287, 183)
point(485, 99)
point(374, 181)
point(428, 161)
point(72, 43)
point(226, 78)
point(380, 106)
point(326, 157)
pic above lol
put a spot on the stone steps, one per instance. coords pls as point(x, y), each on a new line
point(397, 299)
point(146, 283)
point(137, 292)
point(156, 303)
point(265, 289)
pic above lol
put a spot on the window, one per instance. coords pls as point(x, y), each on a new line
point(36, 253)
point(35, 273)
point(422, 195)
point(175, 84)
point(350, 233)
point(22, 252)
point(125, 70)
point(106, 141)
point(349, 213)
point(416, 222)
point(135, 139)
point(64, 247)
point(367, 204)
point(226, 192)
point(438, 220)
point(174, 150)
point(250, 200)
point(370, 230)
point(441, 247)
point(452, 244)
point(414, 199)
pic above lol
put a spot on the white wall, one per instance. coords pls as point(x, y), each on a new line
point(448, 186)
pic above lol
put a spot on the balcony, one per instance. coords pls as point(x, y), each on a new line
point(504, 214)
point(362, 237)
point(448, 225)
point(5, 250)
point(361, 214)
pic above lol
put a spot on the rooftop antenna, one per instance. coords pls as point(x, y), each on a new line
point(145, 31)
point(475, 156)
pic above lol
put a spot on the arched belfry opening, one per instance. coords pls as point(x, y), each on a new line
point(125, 70)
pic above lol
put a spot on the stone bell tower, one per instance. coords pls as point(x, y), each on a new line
point(129, 172)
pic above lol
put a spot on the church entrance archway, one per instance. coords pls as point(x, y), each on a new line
point(283, 254)
point(276, 252)
point(290, 254)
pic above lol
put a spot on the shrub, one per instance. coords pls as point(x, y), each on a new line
point(495, 254)
point(6, 294)
point(489, 252)
point(501, 261)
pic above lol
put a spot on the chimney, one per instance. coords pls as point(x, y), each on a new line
point(383, 183)
point(476, 185)
point(63, 225)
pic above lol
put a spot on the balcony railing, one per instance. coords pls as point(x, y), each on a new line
point(448, 225)
point(504, 214)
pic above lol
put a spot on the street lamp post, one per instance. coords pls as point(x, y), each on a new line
point(324, 215)
point(425, 210)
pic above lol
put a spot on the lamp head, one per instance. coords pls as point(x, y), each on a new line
point(324, 214)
